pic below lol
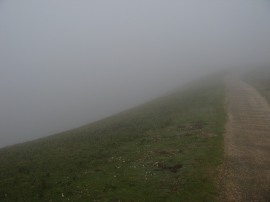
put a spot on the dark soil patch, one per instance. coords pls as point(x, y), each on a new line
point(192, 126)
point(172, 168)
point(167, 152)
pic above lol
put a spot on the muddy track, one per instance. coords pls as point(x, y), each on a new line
point(245, 175)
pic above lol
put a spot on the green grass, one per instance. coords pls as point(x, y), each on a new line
point(165, 150)
point(260, 79)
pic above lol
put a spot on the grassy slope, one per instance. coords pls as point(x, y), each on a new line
point(260, 79)
point(166, 150)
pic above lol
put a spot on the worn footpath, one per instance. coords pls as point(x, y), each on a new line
point(245, 175)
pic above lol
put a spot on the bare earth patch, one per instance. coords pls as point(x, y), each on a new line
point(245, 175)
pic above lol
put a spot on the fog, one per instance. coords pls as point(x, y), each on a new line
point(65, 63)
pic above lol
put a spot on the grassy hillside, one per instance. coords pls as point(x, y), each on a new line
point(260, 79)
point(166, 150)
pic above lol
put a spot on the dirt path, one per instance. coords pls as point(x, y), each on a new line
point(246, 172)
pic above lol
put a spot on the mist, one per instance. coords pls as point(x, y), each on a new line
point(65, 63)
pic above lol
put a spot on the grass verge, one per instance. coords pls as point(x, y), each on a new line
point(166, 150)
point(260, 79)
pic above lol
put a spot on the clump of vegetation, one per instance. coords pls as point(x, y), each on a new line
point(166, 150)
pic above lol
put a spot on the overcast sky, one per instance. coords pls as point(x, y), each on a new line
point(65, 63)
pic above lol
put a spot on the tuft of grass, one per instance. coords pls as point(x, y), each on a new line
point(165, 150)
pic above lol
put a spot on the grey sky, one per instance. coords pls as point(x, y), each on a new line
point(65, 63)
